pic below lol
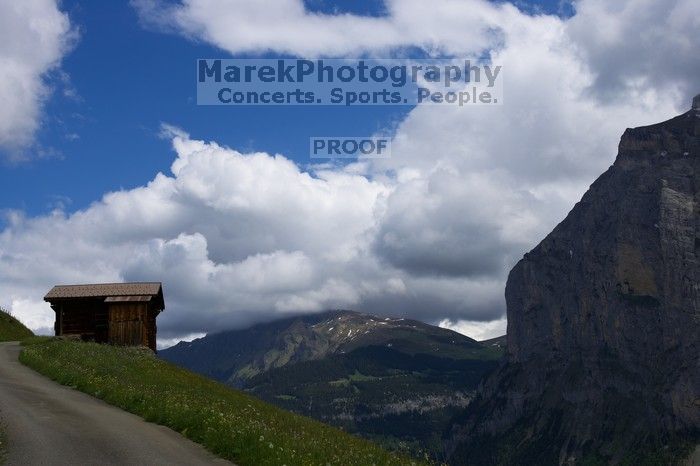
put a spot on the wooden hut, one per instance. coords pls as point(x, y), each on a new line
point(116, 313)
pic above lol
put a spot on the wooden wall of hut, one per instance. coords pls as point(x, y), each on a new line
point(132, 324)
point(87, 318)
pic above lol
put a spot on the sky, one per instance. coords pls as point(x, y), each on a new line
point(112, 172)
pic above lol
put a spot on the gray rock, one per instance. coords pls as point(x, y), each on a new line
point(604, 319)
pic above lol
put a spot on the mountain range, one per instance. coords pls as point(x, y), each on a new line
point(397, 381)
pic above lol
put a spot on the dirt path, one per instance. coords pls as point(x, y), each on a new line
point(47, 423)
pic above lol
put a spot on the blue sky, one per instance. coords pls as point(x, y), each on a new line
point(241, 227)
point(128, 81)
point(124, 80)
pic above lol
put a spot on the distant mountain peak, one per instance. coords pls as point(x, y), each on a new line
point(238, 355)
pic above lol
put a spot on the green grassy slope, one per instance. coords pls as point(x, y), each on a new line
point(12, 329)
point(228, 422)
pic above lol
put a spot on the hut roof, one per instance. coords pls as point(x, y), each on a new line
point(111, 292)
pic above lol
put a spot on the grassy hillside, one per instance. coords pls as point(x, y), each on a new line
point(12, 329)
point(228, 422)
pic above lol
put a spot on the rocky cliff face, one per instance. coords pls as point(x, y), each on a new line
point(604, 319)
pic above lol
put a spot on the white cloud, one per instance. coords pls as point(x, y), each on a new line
point(34, 36)
point(477, 330)
point(486, 184)
point(430, 233)
point(33, 314)
point(235, 237)
point(168, 342)
point(446, 26)
point(633, 46)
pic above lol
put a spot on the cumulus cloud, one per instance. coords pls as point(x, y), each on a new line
point(236, 239)
point(483, 185)
point(447, 26)
point(429, 233)
point(477, 330)
point(34, 36)
point(233, 236)
point(636, 45)
point(632, 47)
